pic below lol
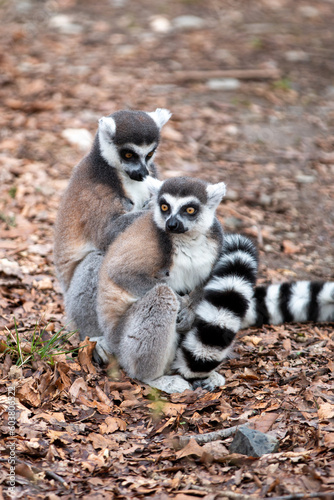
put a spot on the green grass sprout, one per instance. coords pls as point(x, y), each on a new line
point(27, 351)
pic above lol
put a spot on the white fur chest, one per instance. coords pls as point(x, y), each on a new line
point(137, 192)
point(192, 263)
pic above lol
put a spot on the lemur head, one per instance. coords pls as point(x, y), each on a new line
point(185, 205)
point(128, 140)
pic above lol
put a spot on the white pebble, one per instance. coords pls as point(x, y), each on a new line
point(296, 56)
point(188, 22)
point(79, 137)
point(65, 25)
point(305, 179)
point(308, 11)
point(160, 24)
point(223, 84)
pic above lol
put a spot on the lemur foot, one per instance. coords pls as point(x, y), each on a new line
point(211, 382)
point(100, 354)
point(170, 383)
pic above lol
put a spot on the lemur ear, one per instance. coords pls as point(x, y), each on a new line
point(107, 126)
point(160, 116)
point(153, 185)
point(216, 193)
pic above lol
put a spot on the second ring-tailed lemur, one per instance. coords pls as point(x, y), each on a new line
point(178, 248)
point(107, 187)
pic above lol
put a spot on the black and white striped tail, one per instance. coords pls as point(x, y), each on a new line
point(298, 301)
point(220, 313)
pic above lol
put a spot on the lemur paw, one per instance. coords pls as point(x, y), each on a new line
point(210, 383)
point(100, 353)
point(185, 316)
point(170, 383)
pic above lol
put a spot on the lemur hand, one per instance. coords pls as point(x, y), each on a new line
point(186, 314)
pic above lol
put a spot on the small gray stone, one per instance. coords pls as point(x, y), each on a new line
point(253, 443)
point(64, 24)
point(305, 179)
point(309, 11)
point(265, 199)
point(268, 248)
point(259, 28)
point(79, 137)
point(223, 84)
point(188, 22)
point(296, 56)
point(160, 24)
point(330, 91)
point(232, 195)
point(233, 222)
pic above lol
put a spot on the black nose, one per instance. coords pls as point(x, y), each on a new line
point(138, 174)
point(174, 225)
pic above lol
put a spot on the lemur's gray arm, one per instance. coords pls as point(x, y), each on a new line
point(117, 225)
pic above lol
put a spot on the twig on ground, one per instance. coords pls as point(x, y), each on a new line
point(53, 475)
point(300, 496)
point(210, 436)
point(232, 495)
point(241, 74)
point(326, 158)
point(48, 473)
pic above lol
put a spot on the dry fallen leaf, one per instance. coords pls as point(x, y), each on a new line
point(329, 440)
point(192, 448)
point(27, 392)
point(264, 422)
point(326, 411)
point(168, 409)
point(85, 355)
point(289, 247)
point(251, 339)
point(216, 449)
point(78, 385)
point(112, 424)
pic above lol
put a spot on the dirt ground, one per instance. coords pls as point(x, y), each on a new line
point(83, 432)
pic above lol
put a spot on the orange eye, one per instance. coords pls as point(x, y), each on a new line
point(164, 207)
point(150, 154)
point(128, 155)
point(190, 210)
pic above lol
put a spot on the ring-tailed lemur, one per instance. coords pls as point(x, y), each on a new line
point(168, 252)
point(176, 249)
point(107, 187)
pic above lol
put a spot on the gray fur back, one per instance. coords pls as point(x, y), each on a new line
point(80, 298)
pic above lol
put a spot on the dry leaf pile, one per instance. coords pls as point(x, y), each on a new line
point(83, 432)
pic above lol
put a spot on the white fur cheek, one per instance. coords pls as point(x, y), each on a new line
point(158, 219)
point(108, 151)
point(205, 220)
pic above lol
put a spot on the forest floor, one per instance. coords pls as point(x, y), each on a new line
point(84, 432)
